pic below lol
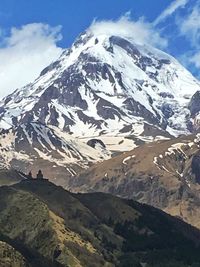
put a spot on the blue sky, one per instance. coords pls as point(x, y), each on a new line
point(33, 33)
point(74, 15)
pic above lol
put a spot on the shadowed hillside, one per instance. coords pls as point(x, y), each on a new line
point(49, 226)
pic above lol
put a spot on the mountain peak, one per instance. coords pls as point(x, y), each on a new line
point(107, 86)
point(102, 70)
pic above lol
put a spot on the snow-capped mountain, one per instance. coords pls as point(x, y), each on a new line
point(105, 94)
point(32, 146)
point(106, 85)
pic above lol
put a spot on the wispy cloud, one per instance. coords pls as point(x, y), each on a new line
point(140, 31)
point(189, 27)
point(170, 10)
point(25, 52)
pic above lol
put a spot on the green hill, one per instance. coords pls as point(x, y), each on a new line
point(44, 225)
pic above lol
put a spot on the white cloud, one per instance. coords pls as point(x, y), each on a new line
point(25, 52)
point(170, 10)
point(140, 31)
point(196, 59)
point(189, 27)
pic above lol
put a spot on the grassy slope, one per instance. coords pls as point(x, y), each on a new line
point(9, 257)
point(9, 177)
point(108, 231)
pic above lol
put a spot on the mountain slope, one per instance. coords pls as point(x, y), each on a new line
point(9, 257)
point(83, 108)
point(9, 176)
point(34, 146)
point(106, 84)
point(97, 229)
point(164, 174)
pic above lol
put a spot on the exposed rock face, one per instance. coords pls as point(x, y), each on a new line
point(194, 104)
point(196, 167)
point(96, 142)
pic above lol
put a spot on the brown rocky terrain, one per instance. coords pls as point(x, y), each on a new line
point(164, 174)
